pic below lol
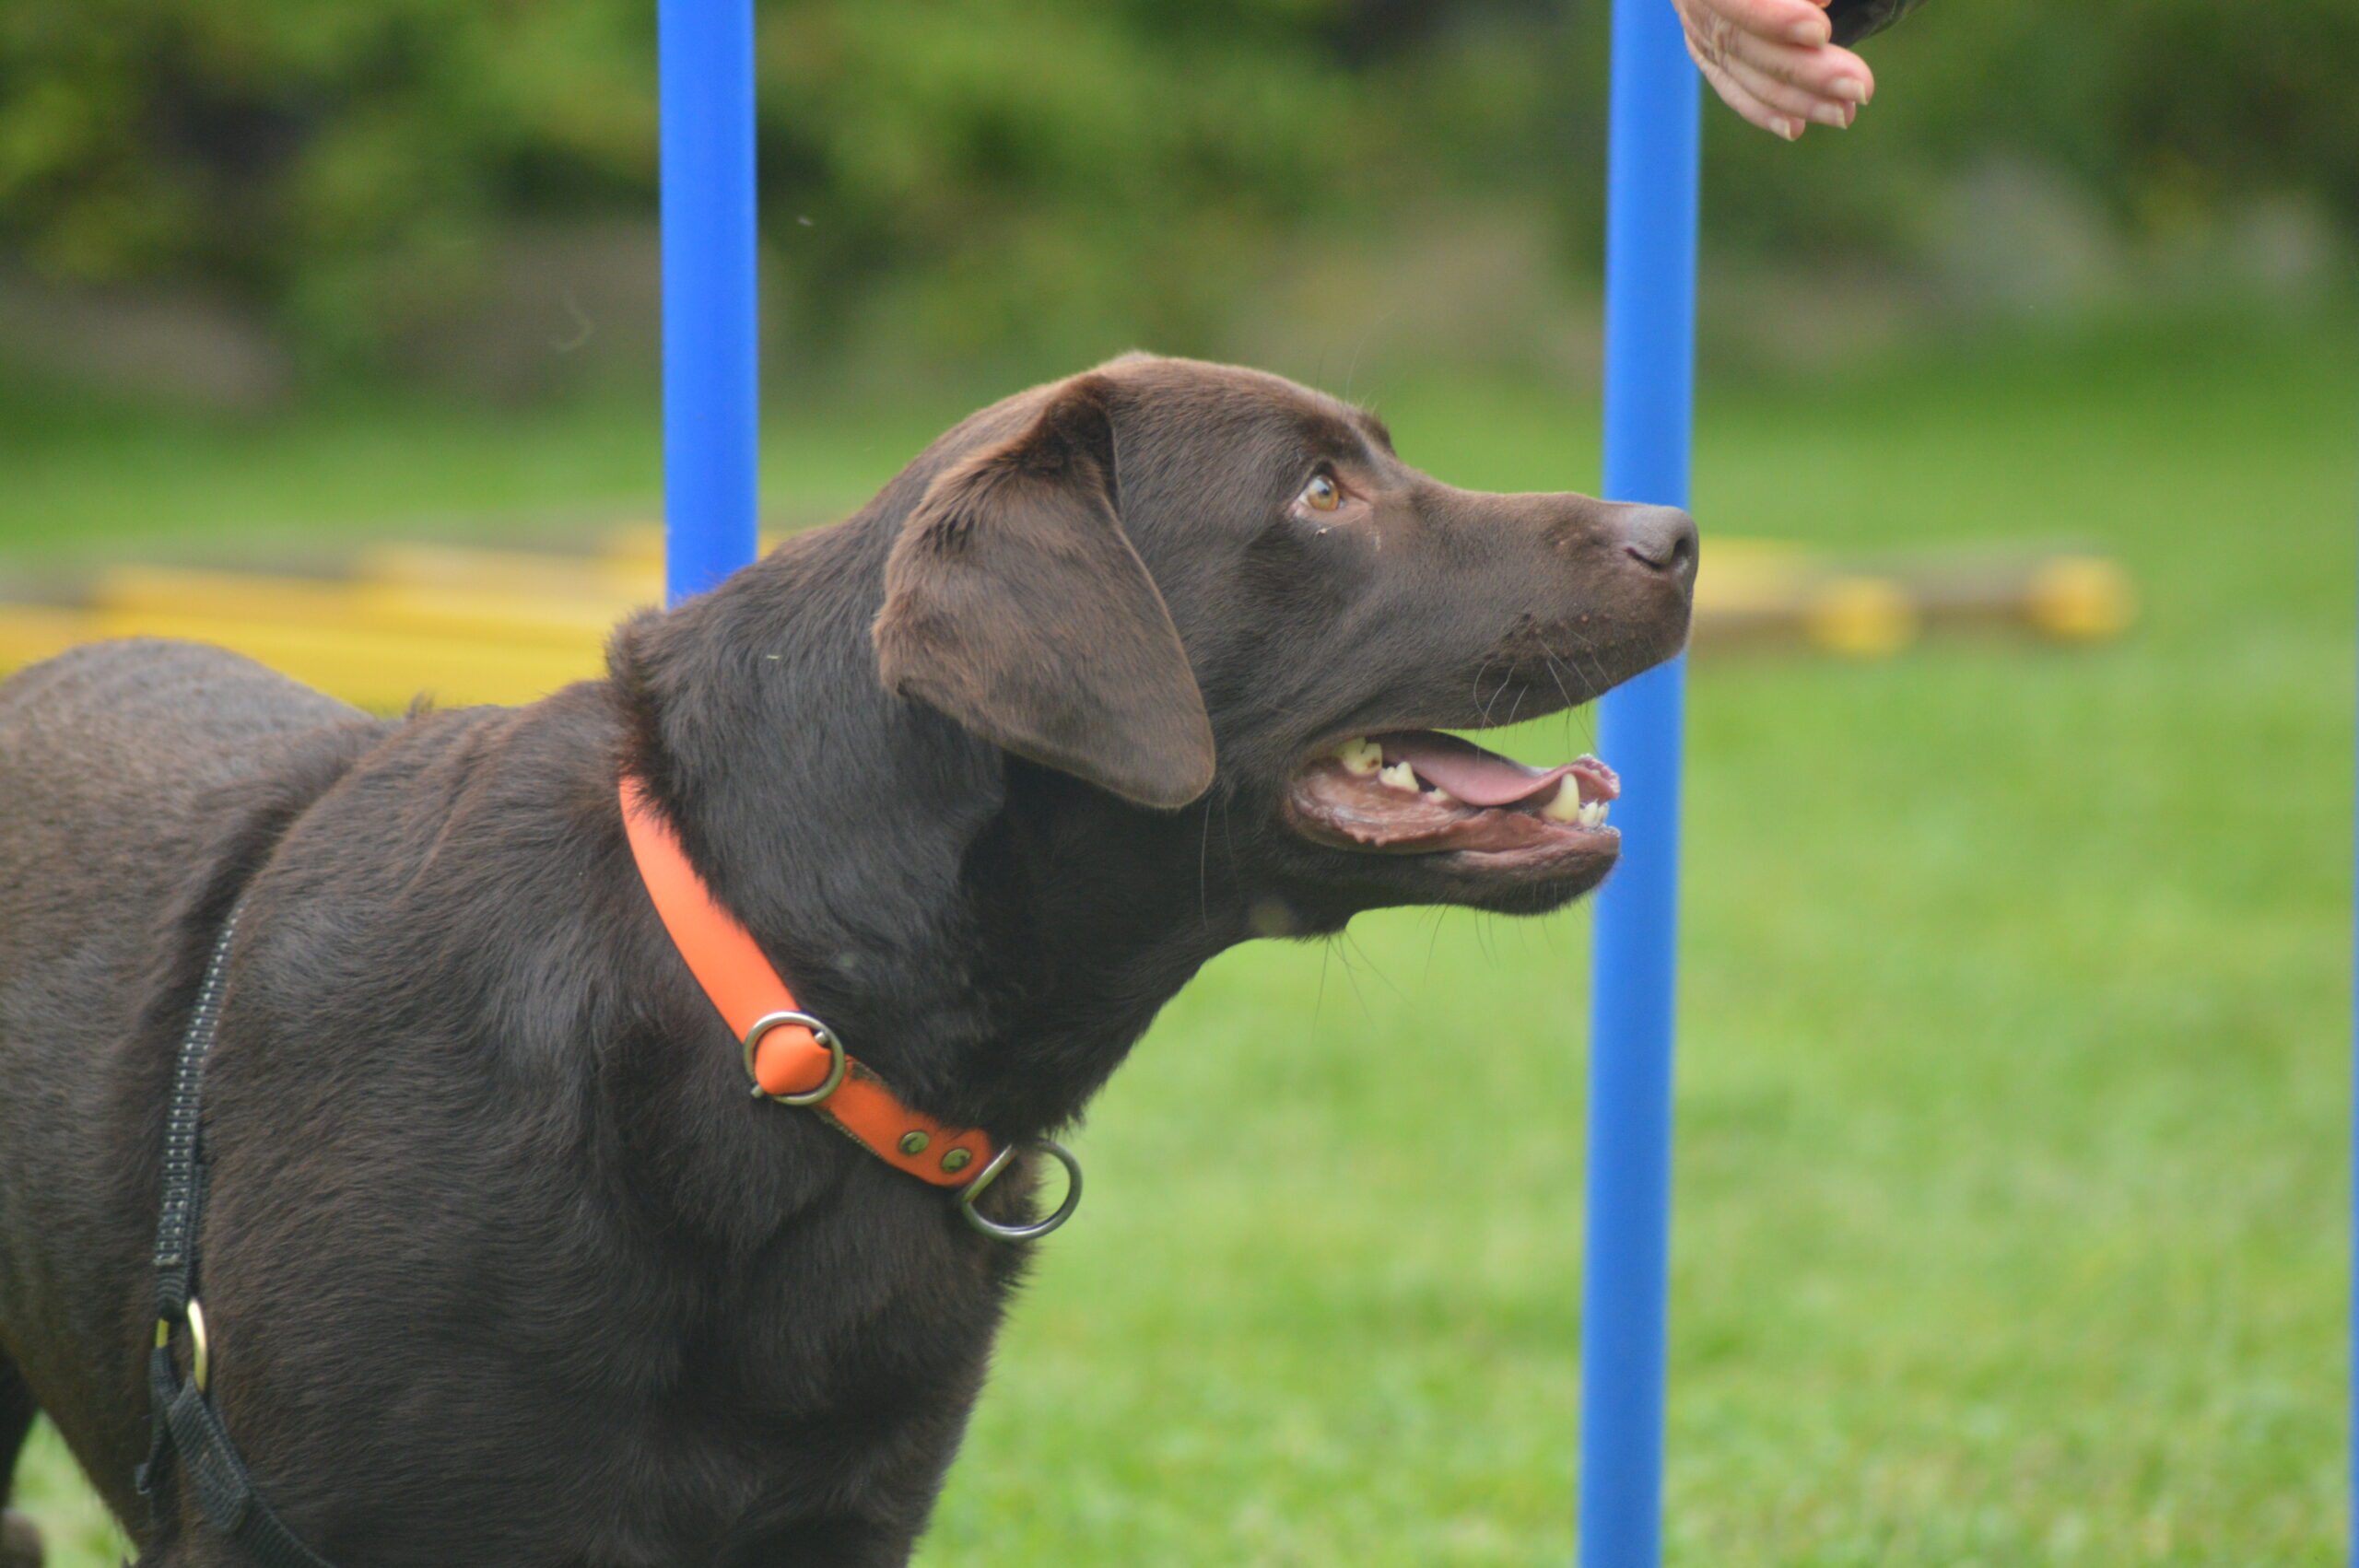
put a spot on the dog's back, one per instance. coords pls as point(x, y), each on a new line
point(108, 756)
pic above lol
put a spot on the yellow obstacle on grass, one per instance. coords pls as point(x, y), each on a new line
point(1751, 593)
point(29, 633)
point(379, 644)
point(468, 625)
point(613, 582)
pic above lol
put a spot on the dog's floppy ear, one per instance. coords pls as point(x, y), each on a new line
point(1014, 604)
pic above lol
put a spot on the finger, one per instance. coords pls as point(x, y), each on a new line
point(1800, 22)
point(1713, 36)
point(1733, 94)
point(1711, 42)
point(1827, 72)
point(1785, 98)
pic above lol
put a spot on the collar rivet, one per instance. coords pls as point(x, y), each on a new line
point(915, 1142)
point(957, 1160)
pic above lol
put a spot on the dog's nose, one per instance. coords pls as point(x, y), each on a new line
point(1661, 539)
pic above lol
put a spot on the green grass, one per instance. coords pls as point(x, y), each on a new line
point(77, 477)
point(2014, 1087)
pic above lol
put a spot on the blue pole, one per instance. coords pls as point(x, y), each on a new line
point(1653, 158)
point(712, 386)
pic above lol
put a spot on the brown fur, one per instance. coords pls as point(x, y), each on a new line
point(503, 1265)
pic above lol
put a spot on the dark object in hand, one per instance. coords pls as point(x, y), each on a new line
point(1856, 19)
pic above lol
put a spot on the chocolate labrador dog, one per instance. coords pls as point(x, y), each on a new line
point(501, 1262)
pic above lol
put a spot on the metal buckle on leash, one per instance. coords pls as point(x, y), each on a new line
point(838, 1063)
point(200, 1347)
point(990, 1174)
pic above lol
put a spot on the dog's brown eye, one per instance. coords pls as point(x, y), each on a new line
point(1322, 495)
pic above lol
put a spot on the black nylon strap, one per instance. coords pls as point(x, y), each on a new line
point(224, 1492)
point(184, 1422)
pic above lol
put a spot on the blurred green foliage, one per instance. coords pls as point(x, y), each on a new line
point(331, 162)
point(2166, 111)
point(980, 173)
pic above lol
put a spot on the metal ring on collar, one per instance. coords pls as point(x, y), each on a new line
point(838, 1063)
point(990, 1174)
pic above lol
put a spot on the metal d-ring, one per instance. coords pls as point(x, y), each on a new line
point(200, 1347)
point(200, 1351)
point(838, 1063)
point(990, 1174)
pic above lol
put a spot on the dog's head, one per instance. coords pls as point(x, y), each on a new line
point(1171, 579)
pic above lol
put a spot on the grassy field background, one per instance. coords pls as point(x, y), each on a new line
point(2013, 1092)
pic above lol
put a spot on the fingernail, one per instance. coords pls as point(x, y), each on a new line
point(1791, 129)
point(1810, 32)
point(1850, 89)
point(1836, 114)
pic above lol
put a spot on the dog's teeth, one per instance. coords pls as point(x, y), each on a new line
point(1440, 796)
point(1565, 805)
point(1593, 815)
point(1360, 756)
point(1400, 776)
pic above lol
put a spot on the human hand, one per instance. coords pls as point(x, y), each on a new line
point(1776, 62)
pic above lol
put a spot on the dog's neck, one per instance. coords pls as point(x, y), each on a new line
point(990, 936)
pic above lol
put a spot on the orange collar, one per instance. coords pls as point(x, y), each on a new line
point(790, 1055)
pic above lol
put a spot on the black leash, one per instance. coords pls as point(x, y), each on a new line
point(183, 1422)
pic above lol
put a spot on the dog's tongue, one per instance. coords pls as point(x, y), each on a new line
point(1485, 778)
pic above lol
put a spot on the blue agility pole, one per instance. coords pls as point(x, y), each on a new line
point(711, 324)
point(1649, 389)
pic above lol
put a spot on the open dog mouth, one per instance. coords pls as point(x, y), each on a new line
point(1422, 792)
